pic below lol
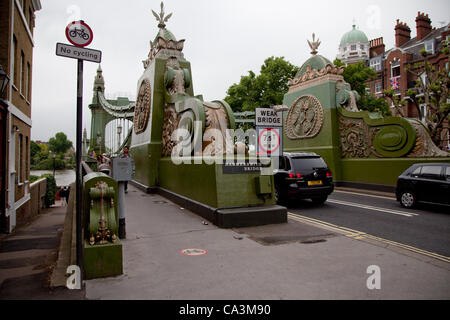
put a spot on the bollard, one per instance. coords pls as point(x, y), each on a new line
point(121, 209)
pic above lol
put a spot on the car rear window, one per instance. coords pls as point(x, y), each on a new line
point(308, 163)
point(431, 172)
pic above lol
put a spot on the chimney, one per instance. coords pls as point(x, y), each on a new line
point(402, 33)
point(376, 47)
point(423, 25)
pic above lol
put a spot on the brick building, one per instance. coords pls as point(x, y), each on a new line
point(17, 19)
point(392, 65)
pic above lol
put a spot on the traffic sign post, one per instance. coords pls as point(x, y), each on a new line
point(80, 35)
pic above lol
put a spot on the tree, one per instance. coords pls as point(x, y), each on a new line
point(435, 87)
point(264, 90)
point(34, 151)
point(357, 75)
point(59, 144)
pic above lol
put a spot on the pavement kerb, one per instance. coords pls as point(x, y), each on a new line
point(65, 252)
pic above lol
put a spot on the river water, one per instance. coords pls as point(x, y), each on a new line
point(62, 177)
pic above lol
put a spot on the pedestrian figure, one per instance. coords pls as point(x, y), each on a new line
point(66, 194)
point(62, 195)
point(103, 164)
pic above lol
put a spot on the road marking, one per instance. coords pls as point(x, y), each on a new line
point(363, 206)
point(365, 194)
point(358, 235)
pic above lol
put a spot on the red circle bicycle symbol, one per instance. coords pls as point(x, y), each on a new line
point(79, 33)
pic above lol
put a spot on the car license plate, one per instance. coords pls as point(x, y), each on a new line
point(314, 183)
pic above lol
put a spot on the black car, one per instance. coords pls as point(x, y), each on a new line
point(427, 182)
point(303, 175)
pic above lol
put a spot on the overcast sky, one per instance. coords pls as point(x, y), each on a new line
point(224, 40)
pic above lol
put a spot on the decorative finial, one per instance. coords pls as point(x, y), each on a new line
point(314, 45)
point(161, 18)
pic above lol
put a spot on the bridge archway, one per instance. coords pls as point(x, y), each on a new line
point(107, 116)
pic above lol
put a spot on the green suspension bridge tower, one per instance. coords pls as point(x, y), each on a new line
point(110, 120)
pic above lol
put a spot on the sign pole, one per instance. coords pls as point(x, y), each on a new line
point(79, 189)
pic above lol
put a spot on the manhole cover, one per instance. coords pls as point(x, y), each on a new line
point(193, 252)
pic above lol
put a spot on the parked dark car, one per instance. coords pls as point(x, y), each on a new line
point(303, 175)
point(424, 182)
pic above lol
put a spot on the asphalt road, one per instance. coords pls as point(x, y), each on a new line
point(426, 227)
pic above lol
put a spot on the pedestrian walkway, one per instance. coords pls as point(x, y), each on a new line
point(295, 260)
point(28, 256)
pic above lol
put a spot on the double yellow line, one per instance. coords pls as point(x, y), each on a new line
point(358, 235)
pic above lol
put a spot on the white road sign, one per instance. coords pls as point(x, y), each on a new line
point(266, 117)
point(65, 50)
point(79, 33)
point(269, 141)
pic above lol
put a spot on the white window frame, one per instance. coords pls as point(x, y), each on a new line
point(375, 64)
point(427, 46)
point(380, 87)
point(424, 110)
point(21, 72)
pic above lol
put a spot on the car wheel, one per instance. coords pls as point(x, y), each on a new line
point(407, 199)
point(319, 200)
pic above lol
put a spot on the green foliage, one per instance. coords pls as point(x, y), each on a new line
point(357, 75)
point(34, 178)
point(51, 190)
point(264, 90)
point(435, 93)
point(374, 104)
point(34, 150)
point(42, 155)
point(59, 144)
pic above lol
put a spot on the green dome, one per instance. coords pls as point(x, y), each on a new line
point(354, 36)
point(317, 62)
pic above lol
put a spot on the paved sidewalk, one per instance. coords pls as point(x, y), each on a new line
point(294, 261)
point(28, 256)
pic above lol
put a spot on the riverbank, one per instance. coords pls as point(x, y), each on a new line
point(62, 177)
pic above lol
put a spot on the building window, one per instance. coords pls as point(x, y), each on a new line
point(30, 19)
point(13, 61)
point(28, 83)
point(375, 64)
point(353, 47)
point(20, 159)
point(378, 87)
point(27, 159)
point(424, 112)
point(22, 73)
point(429, 46)
point(396, 71)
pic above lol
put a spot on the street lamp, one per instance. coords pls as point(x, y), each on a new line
point(119, 132)
point(4, 79)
